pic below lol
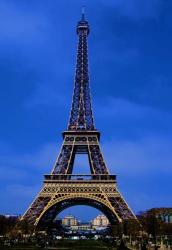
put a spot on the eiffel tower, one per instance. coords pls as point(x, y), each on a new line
point(61, 189)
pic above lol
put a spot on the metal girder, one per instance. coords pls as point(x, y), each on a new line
point(81, 117)
point(80, 144)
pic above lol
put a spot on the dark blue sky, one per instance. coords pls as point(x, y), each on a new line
point(130, 59)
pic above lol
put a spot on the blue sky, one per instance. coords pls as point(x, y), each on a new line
point(130, 75)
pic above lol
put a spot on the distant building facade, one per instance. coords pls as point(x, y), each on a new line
point(69, 221)
point(82, 227)
point(100, 221)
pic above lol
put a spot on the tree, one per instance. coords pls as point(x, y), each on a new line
point(7, 224)
point(24, 227)
point(151, 223)
point(131, 227)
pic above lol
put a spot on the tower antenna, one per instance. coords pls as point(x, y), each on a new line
point(83, 13)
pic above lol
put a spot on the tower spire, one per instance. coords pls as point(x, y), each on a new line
point(83, 13)
point(81, 116)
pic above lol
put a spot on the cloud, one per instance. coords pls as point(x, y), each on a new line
point(114, 52)
point(19, 196)
point(13, 174)
point(22, 175)
point(22, 191)
point(30, 45)
point(46, 95)
point(40, 159)
point(21, 26)
point(136, 9)
point(138, 149)
point(112, 107)
point(123, 115)
point(26, 169)
point(27, 42)
point(143, 168)
point(139, 157)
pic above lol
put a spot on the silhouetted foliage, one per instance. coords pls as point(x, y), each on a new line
point(131, 227)
point(7, 224)
point(152, 224)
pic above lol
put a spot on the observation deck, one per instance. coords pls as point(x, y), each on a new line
point(79, 178)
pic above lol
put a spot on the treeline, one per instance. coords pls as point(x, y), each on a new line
point(148, 223)
point(7, 224)
point(153, 224)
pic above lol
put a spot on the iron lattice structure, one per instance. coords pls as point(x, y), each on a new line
point(61, 189)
